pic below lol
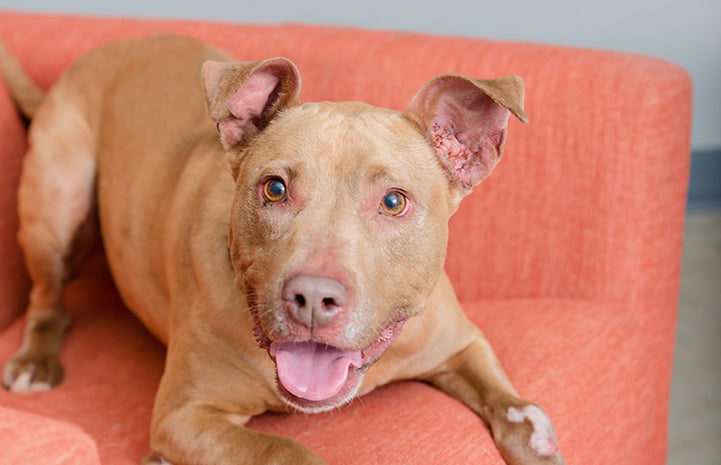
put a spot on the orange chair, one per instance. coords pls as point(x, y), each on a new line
point(567, 257)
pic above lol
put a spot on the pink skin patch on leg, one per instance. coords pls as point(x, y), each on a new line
point(543, 439)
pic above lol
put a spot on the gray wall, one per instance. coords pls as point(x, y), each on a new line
point(687, 32)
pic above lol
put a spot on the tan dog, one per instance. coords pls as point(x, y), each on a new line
point(323, 247)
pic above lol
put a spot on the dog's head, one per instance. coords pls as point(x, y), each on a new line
point(338, 227)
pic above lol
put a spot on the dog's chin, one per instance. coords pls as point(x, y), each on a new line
point(315, 377)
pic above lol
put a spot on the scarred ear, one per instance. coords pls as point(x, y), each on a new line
point(243, 97)
point(465, 121)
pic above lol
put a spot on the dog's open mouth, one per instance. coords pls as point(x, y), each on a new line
point(314, 376)
point(313, 371)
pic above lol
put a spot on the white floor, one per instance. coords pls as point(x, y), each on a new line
point(695, 424)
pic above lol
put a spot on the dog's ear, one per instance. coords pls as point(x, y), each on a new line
point(243, 97)
point(465, 121)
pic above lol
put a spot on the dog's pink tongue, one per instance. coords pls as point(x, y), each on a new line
point(312, 371)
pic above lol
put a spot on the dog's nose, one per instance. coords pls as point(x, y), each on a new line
point(314, 301)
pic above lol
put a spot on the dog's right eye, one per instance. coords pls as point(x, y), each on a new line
point(274, 190)
point(394, 203)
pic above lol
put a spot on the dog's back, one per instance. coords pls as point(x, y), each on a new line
point(155, 136)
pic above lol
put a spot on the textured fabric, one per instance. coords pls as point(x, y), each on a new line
point(32, 439)
point(573, 245)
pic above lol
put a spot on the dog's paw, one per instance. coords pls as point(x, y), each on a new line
point(525, 436)
point(32, 372)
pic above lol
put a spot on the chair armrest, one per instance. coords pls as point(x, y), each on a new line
point(30, 438)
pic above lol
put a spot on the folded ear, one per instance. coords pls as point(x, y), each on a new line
point(465, 121)
point(243, 97)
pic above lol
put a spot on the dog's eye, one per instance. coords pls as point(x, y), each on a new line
point(394, 203)
point(274, 190)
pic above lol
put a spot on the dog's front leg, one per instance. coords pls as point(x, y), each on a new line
point(522, 431)
point(206, 434)
point(207, 394)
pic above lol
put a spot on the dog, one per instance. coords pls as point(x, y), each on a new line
point(314, 231)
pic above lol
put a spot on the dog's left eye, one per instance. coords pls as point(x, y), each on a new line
point(274, 190)
point(394, 203)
